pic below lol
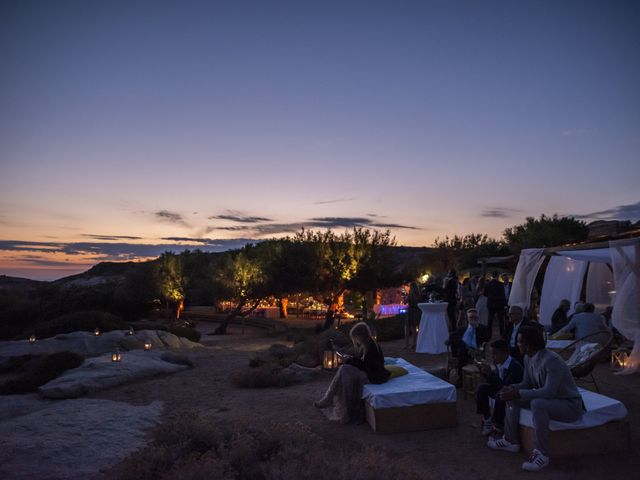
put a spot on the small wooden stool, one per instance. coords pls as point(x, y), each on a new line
point(471, 378)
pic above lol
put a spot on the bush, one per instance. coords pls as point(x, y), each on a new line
point(86, 321)
point(195, 447)
point(186, 332)
point(40, 370)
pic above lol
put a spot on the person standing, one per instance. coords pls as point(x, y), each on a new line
point(559, 318)
point(450, 294)
point(496, 302)
point(548, 389)
point(413, 315)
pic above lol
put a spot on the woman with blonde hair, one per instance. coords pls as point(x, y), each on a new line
point(343, 399)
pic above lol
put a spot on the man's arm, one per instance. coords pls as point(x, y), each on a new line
point(551, 385)
point(569, 327)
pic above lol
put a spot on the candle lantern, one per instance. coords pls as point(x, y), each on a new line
point(115, 357)
point(96, 332)
point(619, 359)
point(147, 345)
point(331, 360)
point(131, 332)
point(32, 339)
point(417, 329)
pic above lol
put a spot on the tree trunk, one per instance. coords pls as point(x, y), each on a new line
point(284, 301)
point(236, 312)
point(329, 319)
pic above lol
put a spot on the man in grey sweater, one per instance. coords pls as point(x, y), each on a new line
point(548, 389)
point(586, 323)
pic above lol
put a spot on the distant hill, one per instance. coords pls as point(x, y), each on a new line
point(16, 283)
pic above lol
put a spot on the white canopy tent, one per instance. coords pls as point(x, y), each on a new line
point(613, 278)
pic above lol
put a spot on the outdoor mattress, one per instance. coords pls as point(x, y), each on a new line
point(599, 410)
point(416, 388)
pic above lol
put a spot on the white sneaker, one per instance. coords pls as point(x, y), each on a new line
point(503, 444)
point(487, 427)
point(537, 461)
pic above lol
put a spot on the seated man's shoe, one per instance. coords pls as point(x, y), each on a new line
point(503, 444)
point(323, 403)
point(537, 461)
point(487, 427)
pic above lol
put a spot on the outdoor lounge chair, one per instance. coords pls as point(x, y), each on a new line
point(584, 367)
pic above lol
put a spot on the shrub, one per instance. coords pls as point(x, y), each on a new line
point(195, 447)
point(84, 321)
point(39, 371)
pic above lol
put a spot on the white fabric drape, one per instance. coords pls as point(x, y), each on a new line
point(600, 285)
point(563, 279)
point(625, 256)
point(528, 265)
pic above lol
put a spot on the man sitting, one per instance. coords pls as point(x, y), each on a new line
point(516, 321)
point(466, 340)
point(548, 389)
point(507, 371)
point(586, 323)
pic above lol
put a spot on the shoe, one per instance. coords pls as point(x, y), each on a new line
point(503, 444)
point(487, 427)
point(322, 403)
point(537, 461)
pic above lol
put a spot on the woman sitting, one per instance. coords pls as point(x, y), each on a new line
point(343, 399)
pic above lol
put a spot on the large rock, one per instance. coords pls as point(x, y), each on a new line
point(88, 345)
point(100, 372)
point(73, 439)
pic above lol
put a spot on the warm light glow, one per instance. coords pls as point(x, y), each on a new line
point(424, 278)
point(96, 332)
point(131, 331)
point(147, 345)
point(620, 359)
point(32, 339)
point(115, 357)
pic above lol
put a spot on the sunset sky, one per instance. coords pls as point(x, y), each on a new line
point(128, 128)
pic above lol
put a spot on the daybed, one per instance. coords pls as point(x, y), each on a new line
point(416, 401)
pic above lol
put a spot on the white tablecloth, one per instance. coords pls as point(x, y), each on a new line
point(433, 328)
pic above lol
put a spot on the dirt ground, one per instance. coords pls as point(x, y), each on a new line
point(452, 453)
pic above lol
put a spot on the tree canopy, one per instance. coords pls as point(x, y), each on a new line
point(545, 232)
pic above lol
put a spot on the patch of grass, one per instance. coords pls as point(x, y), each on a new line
point(195, 447)
point(86, 321)
point(40, 370)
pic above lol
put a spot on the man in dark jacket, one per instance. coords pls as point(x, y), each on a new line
point(464, 341)
point(510, 335)
point(559, 318)
point(507, 371)
point(450, 294)
point(496, 302)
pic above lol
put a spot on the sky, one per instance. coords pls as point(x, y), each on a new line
point(128, 128)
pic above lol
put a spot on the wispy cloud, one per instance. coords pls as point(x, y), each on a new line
point(236, 216)
point(621, 212)
point(171, 217)
point(499, 212)
point(336, 200)
point(111, 237)
point(108, 251)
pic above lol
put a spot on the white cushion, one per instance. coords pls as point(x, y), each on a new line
point(416, 388)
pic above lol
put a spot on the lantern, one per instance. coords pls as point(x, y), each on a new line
point(96, 332)
point(417, 329)
point(115, 357)
point(131, 331)
point(147, 345)
point(32, 339)
point(619, 359)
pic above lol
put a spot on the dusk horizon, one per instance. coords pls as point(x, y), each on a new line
point(129, 129)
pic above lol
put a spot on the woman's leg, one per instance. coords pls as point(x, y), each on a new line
point(327, 398)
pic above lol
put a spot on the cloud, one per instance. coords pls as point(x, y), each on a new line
point(171, 217)
point(337, 200)
point(103, 251)
point(351, 222)
point(111, 237)
point(499, 212)
point(236, 216)
point(621, 212)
